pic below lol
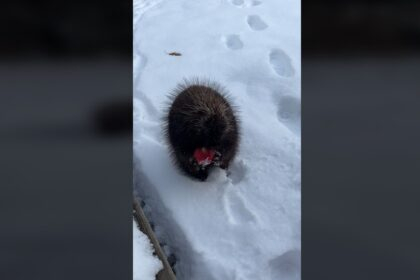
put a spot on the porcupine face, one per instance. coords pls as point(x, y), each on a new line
point(201, 129)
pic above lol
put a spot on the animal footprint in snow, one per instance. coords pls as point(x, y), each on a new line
point(281, 63)
point(241, 3)
point(289, 108)
point(289, 111)
point(233, 42)
point(149, 106)
point(236, 209)
point(256, 23)
point(237, 2)
point(237, 172)
point(286, 266)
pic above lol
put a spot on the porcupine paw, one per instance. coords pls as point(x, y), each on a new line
point(224, 165)
point(202, 174)
point(217, 158)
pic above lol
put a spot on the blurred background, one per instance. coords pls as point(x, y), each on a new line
point(357, 26)
point(66, 147)
point(361, 153)
point(65, 133)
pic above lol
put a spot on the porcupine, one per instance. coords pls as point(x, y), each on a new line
point(201, 128)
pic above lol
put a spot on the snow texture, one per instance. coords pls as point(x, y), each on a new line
point(243, 223)
point(145, 264)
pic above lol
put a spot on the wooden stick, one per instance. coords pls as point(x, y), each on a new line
point(166, 273)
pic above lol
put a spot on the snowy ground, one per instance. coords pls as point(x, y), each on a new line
point(145, 264)
point(244, 223)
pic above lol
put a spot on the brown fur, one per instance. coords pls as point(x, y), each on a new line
point(200, 115)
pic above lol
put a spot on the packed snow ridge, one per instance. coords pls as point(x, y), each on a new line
point(243, 223)
point(145, 264)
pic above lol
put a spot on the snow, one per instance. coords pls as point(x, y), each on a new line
point(243, 223)
point(145, 264)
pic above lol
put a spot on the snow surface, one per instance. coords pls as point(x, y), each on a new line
point(243, 223)
point(145, 264)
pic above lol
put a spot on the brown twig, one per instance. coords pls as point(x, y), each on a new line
point(166, 273)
